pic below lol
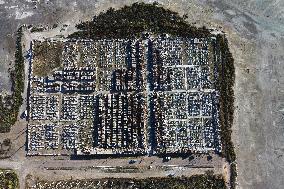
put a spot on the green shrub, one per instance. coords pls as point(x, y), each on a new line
point(8, 179)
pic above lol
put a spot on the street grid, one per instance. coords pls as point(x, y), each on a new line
point(142, 96)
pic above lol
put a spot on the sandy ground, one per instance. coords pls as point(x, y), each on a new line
point(255, 30)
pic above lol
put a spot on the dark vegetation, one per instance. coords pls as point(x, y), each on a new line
point(206, 181)
point(37, 29)
point(9, 105)
point(131, 21)
point(225, 85)
point(8, 179)
point(233, 176)
point(5, 147)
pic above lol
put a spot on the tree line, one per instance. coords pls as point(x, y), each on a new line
point(131, 21)
point(10, 105)
point(225, 85)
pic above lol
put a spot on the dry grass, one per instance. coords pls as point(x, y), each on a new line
point(47, 57)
